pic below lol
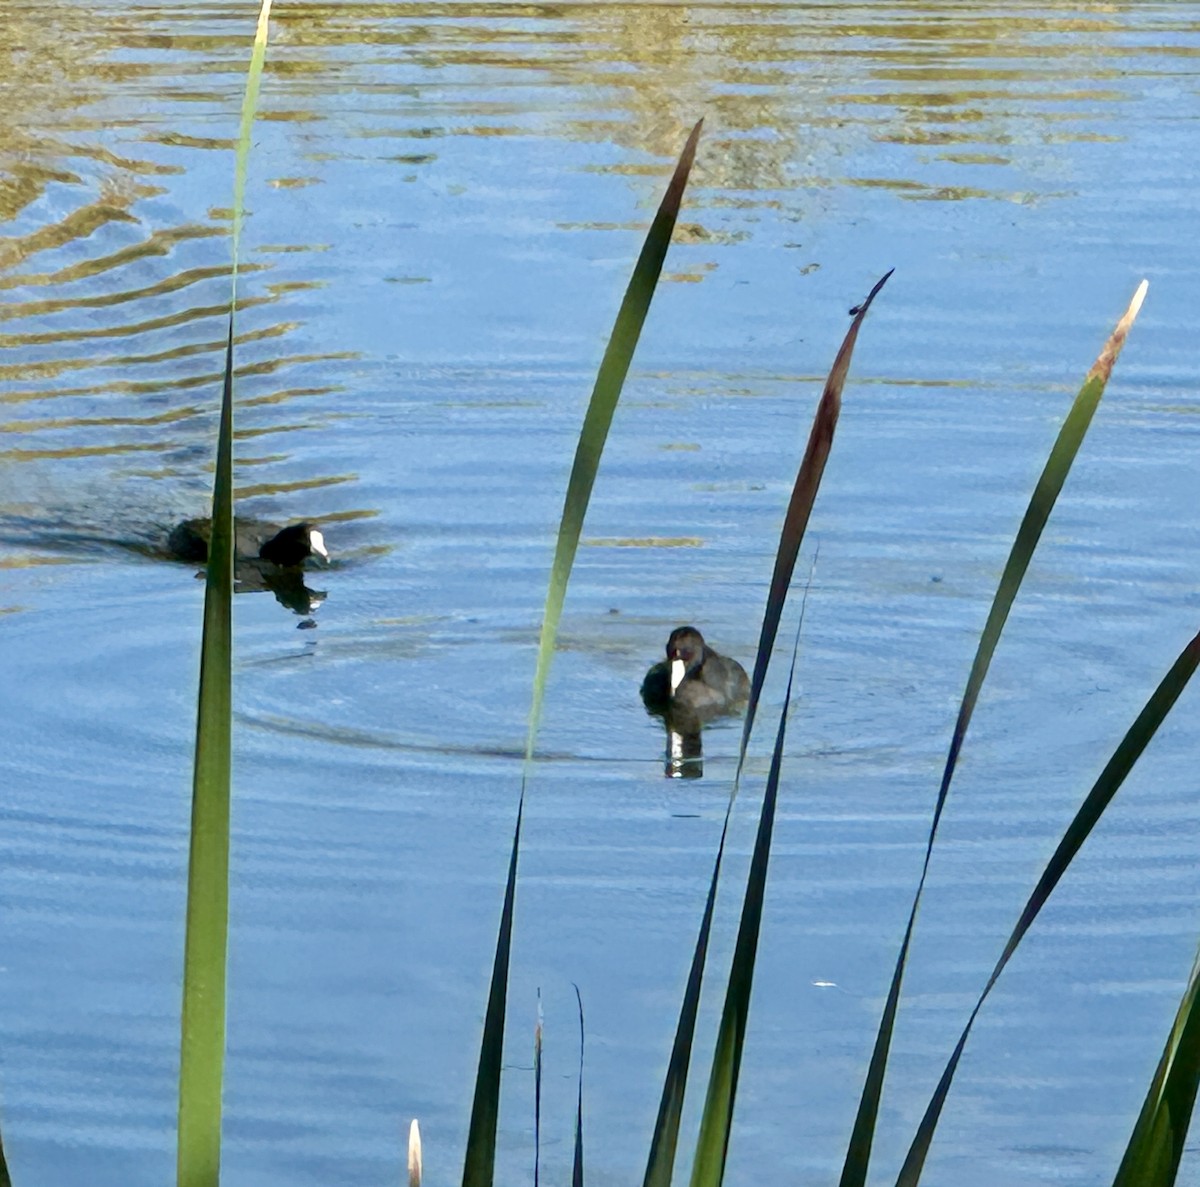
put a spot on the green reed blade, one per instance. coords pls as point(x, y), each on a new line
point(1156, 1144)
point(480, 1158)
point(479, 1163)
point(202, 1042)
point(804, 495)
point(609, 381)
point(1090, 811)
point(577, 1162)
point(202, 1047)
point(258, 54)
point(660, 1163)
point(712, 1143)
point(1049, 485)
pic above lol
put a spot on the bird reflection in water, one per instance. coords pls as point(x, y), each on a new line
point(693, 685)
point(685, 751)
point(286, 584)
point(266, 557)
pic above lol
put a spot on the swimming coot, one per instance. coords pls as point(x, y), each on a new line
point(694, 680)
point(288, 547)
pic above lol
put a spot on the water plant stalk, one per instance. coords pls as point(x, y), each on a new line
point(1041, 504)
point(660, 1162)
point(202, 1039)
point(480, 1157)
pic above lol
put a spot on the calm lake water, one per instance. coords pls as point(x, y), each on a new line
point(446, 203)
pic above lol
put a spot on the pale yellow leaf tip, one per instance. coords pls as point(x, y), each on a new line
point(1102, 367)
point(264, 20)
point(414, 1154)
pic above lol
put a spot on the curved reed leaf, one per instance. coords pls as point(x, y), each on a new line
point(804, 495)
point(660, 1164)
point(712, 1144)
point(5, 1181)
point(1045, 494)
point(479, 1162)
point(258, 55)
point(202, 1041)
point(480, 1158)
point(1156, 1145)
point(665, 1140)
point(1090, 811)
point(202, 1045)
point(603, 403)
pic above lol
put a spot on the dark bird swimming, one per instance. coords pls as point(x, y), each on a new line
point(266, 556)
point(253, 539)
point(694, 681)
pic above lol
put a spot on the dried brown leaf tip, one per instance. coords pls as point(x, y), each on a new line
point(1102, 367)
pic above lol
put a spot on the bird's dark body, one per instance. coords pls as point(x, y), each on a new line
point(712, 683)
point(253, 539)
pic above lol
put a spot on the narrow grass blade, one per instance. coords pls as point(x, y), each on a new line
point(712, 1144)
point(609, 381)
point(1156, 1145)
point(258, 55)
point(414, 1154)
point(202, 1046)
point(202, 1041)
point(665, 1140)
point(1045, 494)
point(537, 1095)
point(577, 1163)
point(660, 1164)
point(1080, 828)
point(804, 495)
point(480, 1159)
point(481, 1139)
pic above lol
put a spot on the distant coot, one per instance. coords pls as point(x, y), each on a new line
point(694, 680)
point(288, 547)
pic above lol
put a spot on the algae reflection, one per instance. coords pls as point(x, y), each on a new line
point(113, 316)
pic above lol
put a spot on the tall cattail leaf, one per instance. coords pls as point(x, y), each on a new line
point(609, 380)
point(712, 1144)
point(804, 495)
point(1106, 786)
point(202, 1040)
point(665, 1140)
point(202, 1044)
point(258, 55)
point(1045, 494)
point(1156, 1145)
point(577, 1162)
point(480, 1158)
point(660, 1164)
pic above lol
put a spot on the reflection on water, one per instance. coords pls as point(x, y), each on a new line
point(105, 246)
point(287, 585)
point(445, 201)
point(116, 304)
point(685, 751)
point(101, 199)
